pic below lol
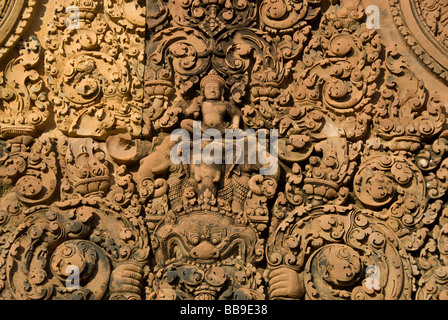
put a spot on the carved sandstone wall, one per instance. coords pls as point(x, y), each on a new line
point(93, 206)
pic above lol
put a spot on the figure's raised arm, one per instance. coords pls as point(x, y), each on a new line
point(193, 109)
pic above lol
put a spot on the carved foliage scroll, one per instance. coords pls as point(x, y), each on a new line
point(95, 71)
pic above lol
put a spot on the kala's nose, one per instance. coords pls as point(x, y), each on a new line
point(205, 251)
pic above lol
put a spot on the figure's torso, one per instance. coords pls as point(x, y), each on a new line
point(213, 113)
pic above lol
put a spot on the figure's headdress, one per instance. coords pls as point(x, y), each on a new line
point(213, 76)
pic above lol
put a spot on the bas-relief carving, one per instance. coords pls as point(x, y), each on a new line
point(95, 71)
point(355, 209)
point(423, 26)
point(15, 17)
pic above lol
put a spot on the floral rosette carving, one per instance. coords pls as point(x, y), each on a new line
point(394, 182)
point(326, 110)
point(289, 22)
point(329, 252)
point(284, 15)
point(94, 88)
point(130, 15)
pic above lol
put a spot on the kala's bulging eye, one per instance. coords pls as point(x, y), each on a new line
point(194, 239)
point(216, 236)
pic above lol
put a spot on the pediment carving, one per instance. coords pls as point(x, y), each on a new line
point(222, 149)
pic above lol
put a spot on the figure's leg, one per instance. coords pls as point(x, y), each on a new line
point(187, 124)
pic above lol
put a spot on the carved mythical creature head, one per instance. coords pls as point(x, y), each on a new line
point(207, 254)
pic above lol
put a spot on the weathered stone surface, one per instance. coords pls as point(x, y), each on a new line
point(95, 113)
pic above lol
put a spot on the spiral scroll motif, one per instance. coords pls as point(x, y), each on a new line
point(336, 249)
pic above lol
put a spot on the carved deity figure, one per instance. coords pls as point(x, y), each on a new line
point(211, 109)
point(212, 106)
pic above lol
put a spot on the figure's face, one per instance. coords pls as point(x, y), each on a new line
point(212, 91)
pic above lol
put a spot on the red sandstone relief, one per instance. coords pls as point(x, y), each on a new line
point(222, 149)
